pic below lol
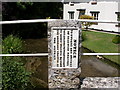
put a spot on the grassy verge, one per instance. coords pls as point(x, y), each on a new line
point(101, 43)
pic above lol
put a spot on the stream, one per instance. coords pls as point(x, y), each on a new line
point(90, 65)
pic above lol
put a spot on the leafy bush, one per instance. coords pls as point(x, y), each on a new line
point(116, 39)
point(86, 17)
point(12, 44)
point(14, 74)
point(86, 24)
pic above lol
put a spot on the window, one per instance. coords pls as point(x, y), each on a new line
point(95, 14)
point(118, 18)
point(81, 12)
point(94, 2)
point(118, 25)
point(72, 4)
point(118, 15)
point(71, 14)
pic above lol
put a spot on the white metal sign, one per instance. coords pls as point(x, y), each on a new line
point(65, 45)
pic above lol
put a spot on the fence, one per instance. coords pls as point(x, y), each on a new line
point(49, 20)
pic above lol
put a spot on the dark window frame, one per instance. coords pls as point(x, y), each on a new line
point(95, 14)
point(118, 25)
point(81, 12)
point(72, 4)
point(94, 2)
point(118, 18)
point(71, 14)
point(118, 15)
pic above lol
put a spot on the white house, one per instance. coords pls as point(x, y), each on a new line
point(100, 9)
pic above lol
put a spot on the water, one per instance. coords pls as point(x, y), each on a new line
point(37, 65)
point(90, 65)
point(93, 67)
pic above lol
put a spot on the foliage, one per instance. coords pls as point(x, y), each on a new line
point(23, 5)
point(116, 39)
point(29, 10)
point(86, 24)
point(84, 36)
point(14, 74)
point(101, 43)
point(12, 44)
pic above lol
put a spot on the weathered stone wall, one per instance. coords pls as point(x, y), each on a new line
point(103, 83)
point(62, 78)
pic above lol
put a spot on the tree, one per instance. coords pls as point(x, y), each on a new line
point(86, 24)
point(25, 11)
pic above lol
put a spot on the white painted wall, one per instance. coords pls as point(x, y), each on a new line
point(106, 8)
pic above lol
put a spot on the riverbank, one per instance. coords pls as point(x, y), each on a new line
point(101, 43)
point(104, 60)
point(38, 66)
point(91, 66)
point(40, 63)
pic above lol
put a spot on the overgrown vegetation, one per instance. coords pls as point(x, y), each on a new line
point(14, 75)
point(116, 39)
point(12, 44)
point(26, 11)
point(101, 43)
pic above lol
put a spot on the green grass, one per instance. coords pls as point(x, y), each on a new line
point(101, 43)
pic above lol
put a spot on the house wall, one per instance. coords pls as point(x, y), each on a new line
point(107, 11)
